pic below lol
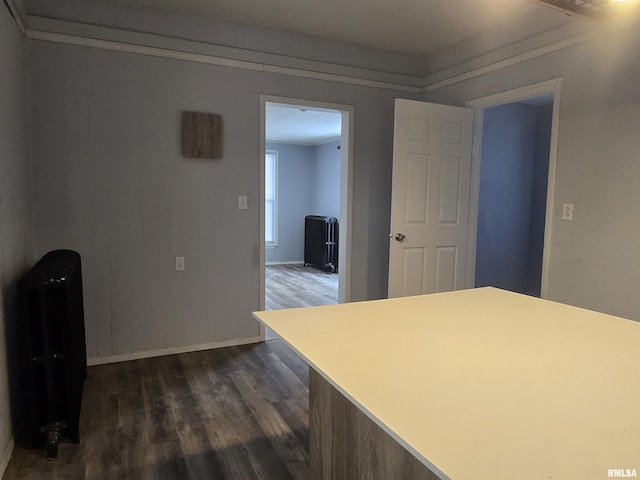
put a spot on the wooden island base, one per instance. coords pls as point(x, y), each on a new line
point(344, 444)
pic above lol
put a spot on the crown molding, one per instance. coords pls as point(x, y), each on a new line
point(73, 33)
point(106, 38)
point(18, 13)
point(538, 46)
point(451, 77)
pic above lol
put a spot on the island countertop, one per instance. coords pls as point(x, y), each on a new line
point(483, 383)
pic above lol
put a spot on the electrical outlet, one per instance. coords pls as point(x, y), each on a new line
point(179, 264)
point(567, 211)
point(243, 202)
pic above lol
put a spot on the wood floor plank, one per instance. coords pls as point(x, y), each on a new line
point(185, 417)
point(295, 411)
point(291, 286)
point(102, 456)
point(276, 429)
point(199, 458)
point(274, 379)
point(256, 444)
point(244, 454)
point(167, 461)
point(291, 359)
point(132, 423)
point(277, 370)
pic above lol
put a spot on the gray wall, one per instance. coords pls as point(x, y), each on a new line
point(308, 184)
point(594, 259)
point(327, 179)
point(295, 200)
point(16, 244)
point(111, 183)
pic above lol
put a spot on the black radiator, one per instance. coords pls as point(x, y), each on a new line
point(321, 242)
point(55, 358)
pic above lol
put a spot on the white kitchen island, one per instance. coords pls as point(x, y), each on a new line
point(478, 384)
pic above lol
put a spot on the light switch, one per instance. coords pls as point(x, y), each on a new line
point(243, 202)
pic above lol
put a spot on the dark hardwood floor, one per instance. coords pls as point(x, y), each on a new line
point(290, 286)
point(234, 413)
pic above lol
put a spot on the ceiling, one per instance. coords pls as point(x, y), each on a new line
point(593, 9)
point(301, 125)
point(418, 27)
point(424, 28)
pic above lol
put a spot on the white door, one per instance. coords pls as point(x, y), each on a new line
point(430, 198)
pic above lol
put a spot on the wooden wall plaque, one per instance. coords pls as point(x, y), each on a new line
point(201, 135)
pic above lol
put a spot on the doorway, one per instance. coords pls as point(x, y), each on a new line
point(305, 170)
point(513, 194)
point(514, 173)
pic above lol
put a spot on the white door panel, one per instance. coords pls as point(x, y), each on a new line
point(430, 198)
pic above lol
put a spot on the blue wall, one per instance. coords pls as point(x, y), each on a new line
point(327, 179)
point(295, 200)
point(308, 184)
point(512, 204)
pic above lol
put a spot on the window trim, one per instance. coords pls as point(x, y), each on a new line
point(274, 243)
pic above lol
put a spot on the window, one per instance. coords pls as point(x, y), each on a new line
point(271, 198)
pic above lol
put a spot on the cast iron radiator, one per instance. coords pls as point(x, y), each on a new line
point(321, 242)
point(54, 350)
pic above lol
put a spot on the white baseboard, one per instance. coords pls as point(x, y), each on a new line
point(6, 455)
point(286, 262)
point(172, 351)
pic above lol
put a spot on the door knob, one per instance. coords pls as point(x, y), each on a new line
point(400, 237)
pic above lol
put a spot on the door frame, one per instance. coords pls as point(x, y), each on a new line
point(346, 189)
point(479, 105)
